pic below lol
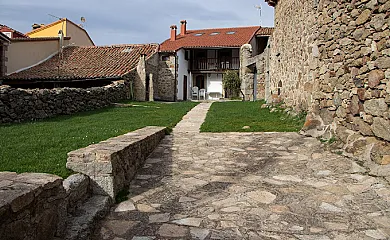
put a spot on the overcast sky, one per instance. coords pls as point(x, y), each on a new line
point(135, 21)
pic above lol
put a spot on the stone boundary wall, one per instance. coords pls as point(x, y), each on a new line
point(293, 54)
point(18, 105)
point(31, 206)
point(338, 69)
point(352, 98)
point(39, 206)
point(112, 164)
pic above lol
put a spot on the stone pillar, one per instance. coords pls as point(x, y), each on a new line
point(246, 74)
point(267, 81)
point(140, 80)
point(151, 88)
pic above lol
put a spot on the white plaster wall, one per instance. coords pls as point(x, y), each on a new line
point(182, 71)
point(214, 84)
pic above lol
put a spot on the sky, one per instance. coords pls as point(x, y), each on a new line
point(136, 21)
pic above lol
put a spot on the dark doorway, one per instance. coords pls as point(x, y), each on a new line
point(185, 91)
point(147, 86)
point(199, 82)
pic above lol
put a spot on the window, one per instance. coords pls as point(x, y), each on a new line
point(198, 34)
point(214, 33)
point(8, 34)
point(127, 50)
point(165, 58)
point(231, 32)
point(186, 55)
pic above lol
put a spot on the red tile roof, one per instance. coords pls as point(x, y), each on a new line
point(265, 31)
point(88, 63)
point(241, 36)
point(4, 28)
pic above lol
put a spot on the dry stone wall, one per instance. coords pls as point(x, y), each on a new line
point(332, 58)
point(294, 56)
point(353, 96)
point(28, 104)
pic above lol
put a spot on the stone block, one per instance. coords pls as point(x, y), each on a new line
point(29, 206)
point(375, 107)
point(115, 160)
point(362, 126)
point(381, 128)
point(380, 153)
point(375, 77)
point(363, 17)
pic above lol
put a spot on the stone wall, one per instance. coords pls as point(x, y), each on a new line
point(28, 104)
point(246, 73)
point(112, 164)
point(167, 75)
point(35, 206)
point(152, 69)
point(30, 206)
point(337, 68)
point(353, 96)
point(293, 54)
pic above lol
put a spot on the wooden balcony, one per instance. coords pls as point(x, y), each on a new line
point(216, 64)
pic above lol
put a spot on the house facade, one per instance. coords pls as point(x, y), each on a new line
point(199, 58)
point(79, 36)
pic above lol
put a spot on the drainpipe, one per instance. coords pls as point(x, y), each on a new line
point(176, 70)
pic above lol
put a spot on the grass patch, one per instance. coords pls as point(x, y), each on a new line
point(233, 116)
point(41, 146)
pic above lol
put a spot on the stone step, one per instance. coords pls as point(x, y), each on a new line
point(83, 220)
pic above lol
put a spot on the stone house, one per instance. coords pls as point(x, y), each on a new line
point(94, 66)
point(332, 59)
point(200, 58)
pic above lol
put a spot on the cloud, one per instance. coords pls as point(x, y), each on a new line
point(135, 21)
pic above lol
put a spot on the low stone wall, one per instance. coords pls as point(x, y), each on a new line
point(30, 206)
point(112, 164)
point(35, 206)
point(18, 105)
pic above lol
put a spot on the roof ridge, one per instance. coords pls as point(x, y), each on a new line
point(224, 28)
point(120, 45)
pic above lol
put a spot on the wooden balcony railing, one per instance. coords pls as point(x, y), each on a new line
point(232, 63)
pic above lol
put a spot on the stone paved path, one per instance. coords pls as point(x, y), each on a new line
point(248, 186)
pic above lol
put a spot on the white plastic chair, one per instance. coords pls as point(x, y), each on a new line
point(202, 94)
point(195, 93)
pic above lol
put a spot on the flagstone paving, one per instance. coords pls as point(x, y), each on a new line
point(248, 186)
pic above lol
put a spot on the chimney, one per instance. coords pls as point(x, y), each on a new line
point(35, 26)
point(173, 32)
point(183, 30)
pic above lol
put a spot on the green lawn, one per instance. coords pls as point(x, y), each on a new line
point(42, 146)
point(233, 116)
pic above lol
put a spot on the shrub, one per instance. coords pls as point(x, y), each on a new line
point(232, 83)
